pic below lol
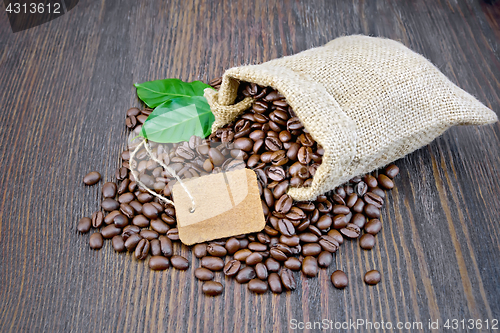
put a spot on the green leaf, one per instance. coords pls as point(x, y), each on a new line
point(178, 119)
point(154, 93)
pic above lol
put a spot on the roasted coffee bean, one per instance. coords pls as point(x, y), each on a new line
point(378, 191)
point(118, 243)
point(126, 198)
point(276, 173)
point(340, 209)
point(373, 199)
point(373, 226)
point(339, 221)
point(149, 211)
point(286, 227)
point(180, 263)
point(311, 249)
point(84, 224)
point(216, 250)
point(216, 157)
point(284, 204)
point(290, 241)
point(245, 275)
point(110, 231)
point(280, 189)
point(370, 181)
point(232, 245)
point(127, 210)
point(294, 124)
point(96, 241)
point(129, 230)
point(124, 186)
point(261, 271)
point(120, 220)
point(351, 231)
point(339, 279)
point(148, 234)
point(109, 204)
point(158, 263)
point(278, 254)
point(144, 197)
point(232, 267)
point(253, 259)
point(212, 288)
point(371, 211)
point(242, 255)
point(310, 266)
point(304, 155)
point(121, 173)
point(372, 277)
point(212, 263)
point(308, 237)
point(329, 243)
point(314, 230)
point(140, 221)
point(257, 286)
point(385, 182)
point(272, 265)
point(351, 200)
point(367, 241)
point(391, 171)
point(296, 213)
point(293, 263)
point(256, 246)
point(324, 222)
point(200, 250)
point(136, 206)
point(155, 247)
point(361, 188)
point(159, 226)
point(92, 178)
point(287, 279)
point(274, 281)
point(133, 112)
point(358, 206)
point(173, 234)
point(325, 259)
point(245, 144)
point(359, 220)
point(132, 241)
point(166, 246)
point(204, 274)
point(109, 190)
point(142, 249)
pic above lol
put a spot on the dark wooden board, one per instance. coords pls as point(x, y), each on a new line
point(64, 89)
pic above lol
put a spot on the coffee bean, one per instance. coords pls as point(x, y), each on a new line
point(120, 220)
point(110, 231)
point(272, 265)
point(340, 209)
point(148, 234)
point(329, 243)
point(96, 241)
point(142, 249)
point(325, 259)
point(286, 227)
point(166, 246)
point(245, 275)
point(155, 247)
point(375, 200)
point(373, 226)
point(293, 263)
point(149, 211)
point(232, 267)
point(124, 186)
point(391, 171)
point(212, 288)
point(351, 231)
point(372, 277)
point(351, 200)
point(132, 241)
point(367, 241)
point(109, 204)
point(130, 230)
point(385, 182)
point(216, 250)
point(253, 259)
point(274, 281)
point(335, 234)
point(158, 263)
point(256, 246)
point(173, 234)
point(358, 206)
point(290, 241)
point(84, 225)
point(287, 279)
point(371, 211)
point(159, 226)
point(140, 221)
point(261, 271)
point(200, 250)
point(180, 262)
point(324, 222)
point(212, 263)
point(257, 286)
point(203, 274)
point(311, 249)
point(92, 178)
point(339, 221)
point(133, 112)
point(339, 279)
point(118, 243)
point(109, 190)
point(310, 266)
point(361, 188)
point(359, 220)
point(216, 157)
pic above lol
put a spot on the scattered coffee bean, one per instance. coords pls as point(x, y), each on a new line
point(142, 249)
point(310, 266)
point(287, 279)
point(257, 286)
point(92, 178)
point(158, 263)
point(179, 262)
point(367, 241)
point(339, 279)
point(372, 277)
point(118, 243)
point(84, 225)
point(212, 263)
point(212, 288)
point(96, 241)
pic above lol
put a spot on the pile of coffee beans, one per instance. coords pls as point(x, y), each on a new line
point(298, 236)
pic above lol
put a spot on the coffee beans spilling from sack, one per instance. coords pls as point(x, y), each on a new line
point(299, 237)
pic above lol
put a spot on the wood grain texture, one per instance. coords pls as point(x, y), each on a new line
point(65, 88)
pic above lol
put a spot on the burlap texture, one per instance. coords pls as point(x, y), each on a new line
point(368, 101)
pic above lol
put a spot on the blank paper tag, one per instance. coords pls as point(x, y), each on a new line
point(227, 204)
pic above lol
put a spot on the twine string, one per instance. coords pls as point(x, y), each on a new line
point(167, 168)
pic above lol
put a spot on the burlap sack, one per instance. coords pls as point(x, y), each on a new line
point(368, 101)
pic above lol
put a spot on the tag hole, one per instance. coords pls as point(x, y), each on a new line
point(191, 210)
